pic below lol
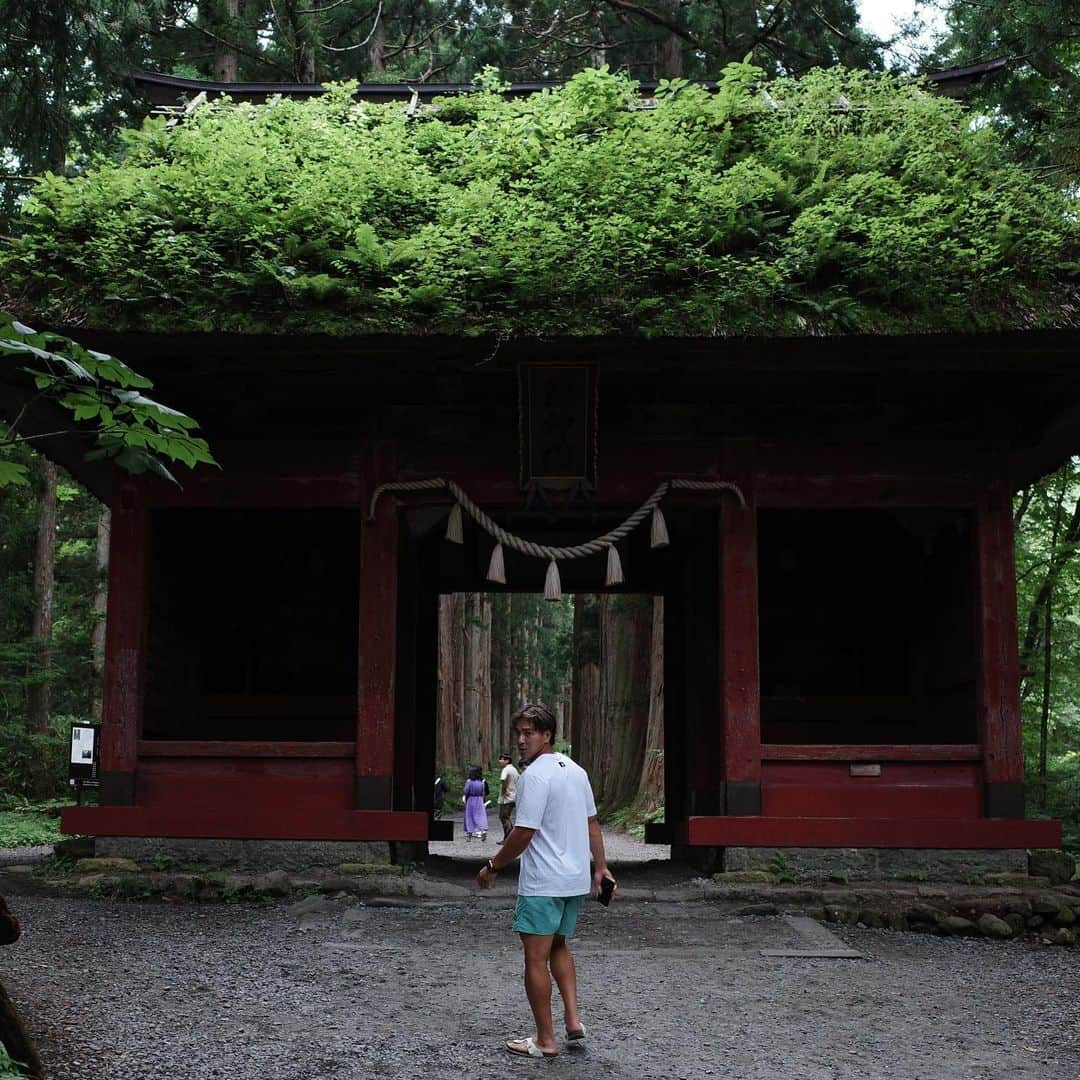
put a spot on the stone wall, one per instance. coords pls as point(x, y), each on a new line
point(876, 864)
point(258, 855)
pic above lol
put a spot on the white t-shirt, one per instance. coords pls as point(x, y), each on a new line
point(510, 775)
point(554, 797)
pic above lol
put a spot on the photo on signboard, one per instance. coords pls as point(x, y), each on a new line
point(82, 745)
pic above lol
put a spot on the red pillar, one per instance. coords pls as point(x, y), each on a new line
point(740, 685)
point(374, 787)
point(998, 659)
point(125, 646)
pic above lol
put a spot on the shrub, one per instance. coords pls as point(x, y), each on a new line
point(33, 765)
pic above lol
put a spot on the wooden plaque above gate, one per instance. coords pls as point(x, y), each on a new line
point(558, 424)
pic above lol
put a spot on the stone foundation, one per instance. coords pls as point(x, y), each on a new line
point(261, 855)
point(876, 864)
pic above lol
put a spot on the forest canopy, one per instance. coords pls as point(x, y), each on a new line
point(838, 201)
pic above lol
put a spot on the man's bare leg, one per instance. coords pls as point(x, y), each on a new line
point(538, 987)
point(562, 967)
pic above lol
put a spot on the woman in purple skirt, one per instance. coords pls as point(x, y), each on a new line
point(476, 822)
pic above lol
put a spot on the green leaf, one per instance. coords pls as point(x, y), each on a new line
point(12, 474)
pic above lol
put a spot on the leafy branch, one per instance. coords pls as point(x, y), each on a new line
point(135, 432)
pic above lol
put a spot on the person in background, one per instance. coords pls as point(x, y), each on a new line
point(438, 798)
point(476, 819)
point(556, 832)
point(508, 779)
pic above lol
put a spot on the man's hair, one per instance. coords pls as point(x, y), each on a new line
point(505, 757)
point(540, 716)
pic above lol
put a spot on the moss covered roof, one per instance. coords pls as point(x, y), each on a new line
point(839, 202)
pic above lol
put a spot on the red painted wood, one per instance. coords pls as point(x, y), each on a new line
point(378, 627)
point(253, 785)
point(787, 474)
point(270, 823)
point(998, 678)
point(870, 752)
point(741, 686)
point(903, 790)
point(125, 631)
point(872, 832)
point(261, 796)
point(176, 748)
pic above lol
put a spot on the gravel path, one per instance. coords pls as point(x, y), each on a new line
point(333, 989)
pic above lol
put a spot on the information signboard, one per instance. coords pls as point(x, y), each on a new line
point(83, 756)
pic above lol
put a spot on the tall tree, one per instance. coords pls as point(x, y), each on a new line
point(62, 89)
point(650, 790)
point(1047, 521)
point(1036, 100)
point(42, 622)
point(451, 40)
point(101, 596)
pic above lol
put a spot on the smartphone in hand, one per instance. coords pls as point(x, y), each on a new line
point(607, 888)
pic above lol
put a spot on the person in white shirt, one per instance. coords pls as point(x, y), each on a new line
point(556, 832)
point(508, 780)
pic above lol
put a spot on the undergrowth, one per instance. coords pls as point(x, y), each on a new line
point(29, 827)
point(10, 1069)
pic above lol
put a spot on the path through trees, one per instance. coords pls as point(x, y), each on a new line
point(596, 660)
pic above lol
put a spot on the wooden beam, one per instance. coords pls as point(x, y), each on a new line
point(1060, 439)
point(981, 833)
point(378, 641)
point(998, 675)
point(125, 644)
point(741, 684)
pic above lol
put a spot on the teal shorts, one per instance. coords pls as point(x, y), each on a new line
point(545, 915)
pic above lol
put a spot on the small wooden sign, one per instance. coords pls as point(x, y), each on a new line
point(865, 769)
point(558, 413)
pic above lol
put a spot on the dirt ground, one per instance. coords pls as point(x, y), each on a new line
point(338, 988)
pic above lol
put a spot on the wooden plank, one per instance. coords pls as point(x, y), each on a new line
point(378, 641)
point(190, 821)
point(177, 748)
point(871, 752)
point(905, 789)
point(741, 687)
point(979, 833)
point(125, 631)
point(254, 786)
point(998, 677)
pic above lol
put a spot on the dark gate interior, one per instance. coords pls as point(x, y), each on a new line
point(252, 633)
point(867, 626)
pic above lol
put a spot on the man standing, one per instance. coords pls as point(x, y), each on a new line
point(508, 779)
point(555, 833)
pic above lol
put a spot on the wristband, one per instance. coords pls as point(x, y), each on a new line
point(491, 867)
